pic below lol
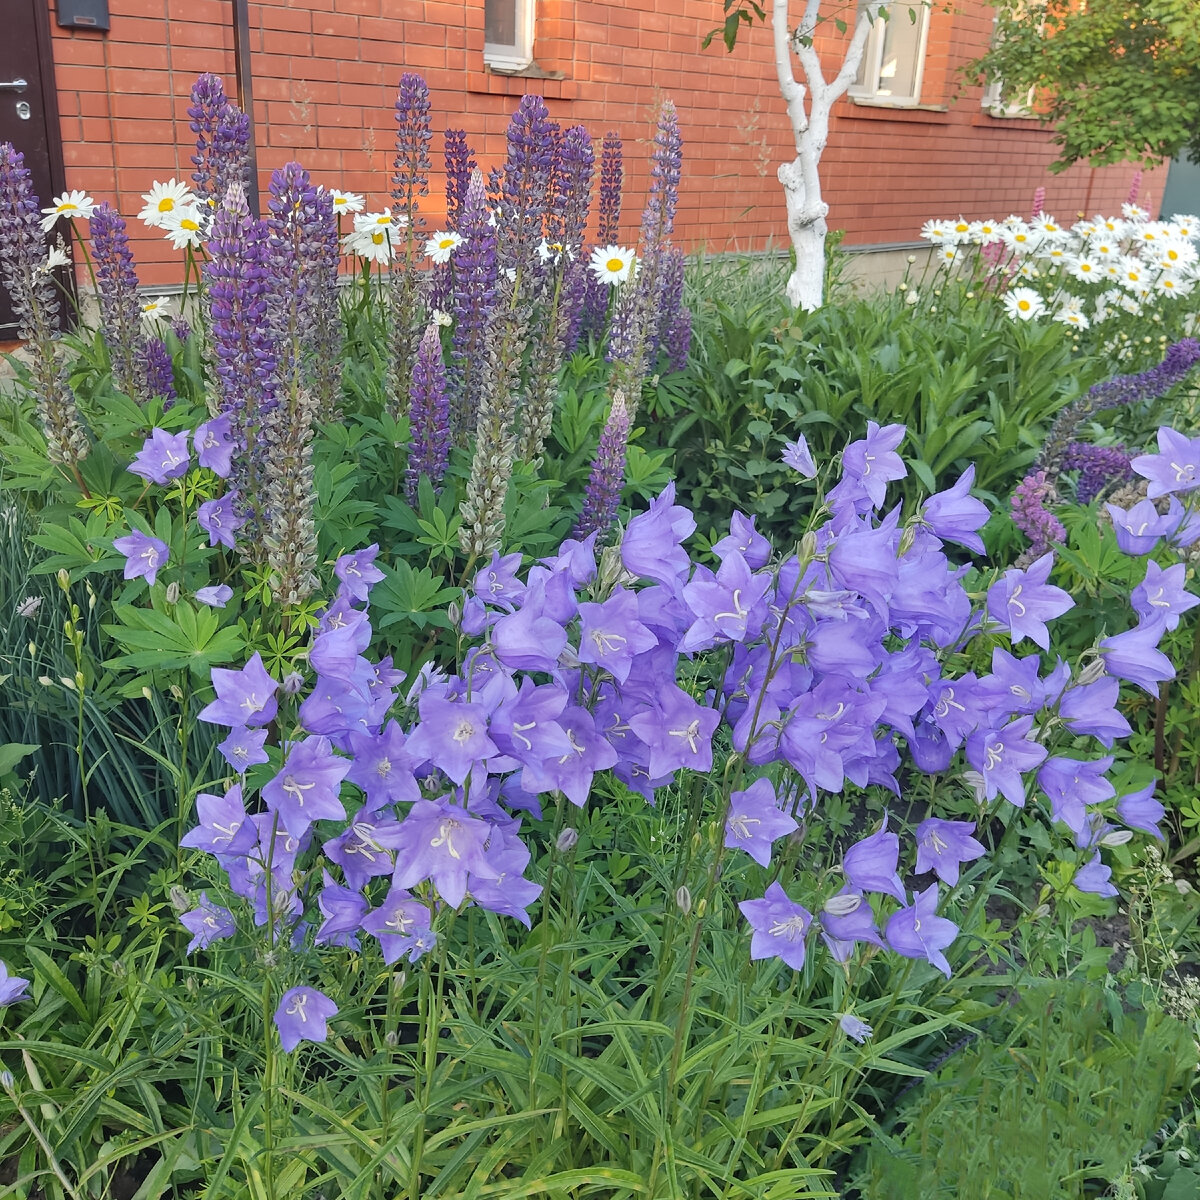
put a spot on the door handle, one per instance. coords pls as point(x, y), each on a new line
point(13, 85)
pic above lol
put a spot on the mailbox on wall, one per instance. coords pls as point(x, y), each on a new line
point(83, 14)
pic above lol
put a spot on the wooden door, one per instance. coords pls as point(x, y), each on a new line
point(29, 108)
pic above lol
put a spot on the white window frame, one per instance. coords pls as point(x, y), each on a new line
point(509, 59)
point(872, 60)
point(995, 105)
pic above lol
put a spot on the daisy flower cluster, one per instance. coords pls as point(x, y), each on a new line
point(1090, 273)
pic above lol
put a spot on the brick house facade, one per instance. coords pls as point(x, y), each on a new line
point(324, 78)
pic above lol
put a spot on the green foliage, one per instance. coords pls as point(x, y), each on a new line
point(1063, 1088)
point(1118, 79)
point(970, 385)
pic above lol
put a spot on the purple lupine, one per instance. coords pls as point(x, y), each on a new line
point(566, 217)
point(525, 192)
point(674, 333)
point(602, 497)
point(1118, 392)
point(475, 284)
point(460, 165)
point(428, 416)
point(1098, 466)
point(222, 132)
point(636, 316)
point(1135, 186)
point(33, 294)
point(410, 181)
point(608, 232)
point(117, 293)
point(1031, 515)
point(243, 349)
point(158, 371)
point(301, 218)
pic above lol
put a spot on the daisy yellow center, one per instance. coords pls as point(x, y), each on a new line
point(446, 243)
point(166, 204)
point(67, 206)
point(615, 264)
point(1024, 305)
point(339, 201)
point(961, 228)
point(377, 239)
point(383, 220)
point(188, 223)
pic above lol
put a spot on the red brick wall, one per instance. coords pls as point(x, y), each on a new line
point(325, 75)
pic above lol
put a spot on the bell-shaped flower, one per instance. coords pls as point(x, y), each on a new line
point(244, 698)
point(363, 851)
point(306, 789)
point(510, 894)
point(918, 932)
point(497, 584)
point(1140, 529)
point(144, 555)
point(1091, 708)
point(1095, 877)
point(678, 731)
point(343, 909)
point(164, 456)
point(1003, 756)
point(845, 920)
point(780, 927)
point(942, 846)
point(452, 735)
point(652, 547)
point(358, 572)
point(224, 827)
point(1134, 656)
point(1174, 469)
point(244, 748)
point(402, 925)
point(215, 445)
point(870, 864)
point(207, 923)
point(382, 767)
point(1162, 594)
point(746, 541)
point(302, 1015)
point(610, 634)
point(220, 519)
point(755, 821)
point(1139, 810)
point(572, 771)
point(869, 465)
point(444, 843)
point(525, 640)
point(1023, 601)
point(1072, 785)
point(955, 515)
point(728, 606)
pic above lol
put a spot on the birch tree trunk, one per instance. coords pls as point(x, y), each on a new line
point(800, 178)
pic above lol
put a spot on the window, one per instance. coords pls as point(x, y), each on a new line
point(892, 62)
point(508, 34)
point(996, 104)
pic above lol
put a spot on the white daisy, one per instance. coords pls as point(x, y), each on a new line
point(1185, 225)
point(346, 202)
point(1085, 269)
point(1071, 316)
point(1132, 273)
point(1023, 304)
point(184, 226)
point(1171, 284)
point(1132, 212)
point(549, 252)
point(1048, 227)
point(1112, 227)
point(1106, 246)
point(948, 255)
point(367, 222)
point(612, 264)
point(1172, 255)
point(1085, 229)
point(984, 233)
point(1021, 239)
point(68, 205)
point(163, 199)
point(960, 230)
point(374, 243)
point(154, 309)
point(442, 245)
point(936, 232)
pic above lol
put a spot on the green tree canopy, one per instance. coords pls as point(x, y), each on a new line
point(1118, 79)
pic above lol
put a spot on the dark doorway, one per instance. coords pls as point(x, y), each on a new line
point(29, 110)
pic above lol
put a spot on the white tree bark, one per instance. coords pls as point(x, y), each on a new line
point(810, 127)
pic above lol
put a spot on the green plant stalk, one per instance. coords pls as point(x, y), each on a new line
point(47, 1149)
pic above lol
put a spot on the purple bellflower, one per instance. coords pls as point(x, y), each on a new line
point(358, 571)
point(755, 821)
point(215, 446)
point(942, 846)
point(918, 932)
point(1174, 469)
point(12, 987)
point(780, 927)
point(1134, 656)
point(243, 748)
point(163, 457)
point(1139, 528)
point(1023, 601)
point(443, 843)
point(302, 1015)
point(144, 555)
point(870, 864)
point(207, 923)
point(1162, 594)
point(798, 456)
point(216, 596)
point(306, 790)
point(1002, 756)
point(220, 519)
point(1139, 810)
point(845, 919)
point(955, 515)
point(245, 697)
point(854, 1028)
point(1095, 877)
point(402, 926)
